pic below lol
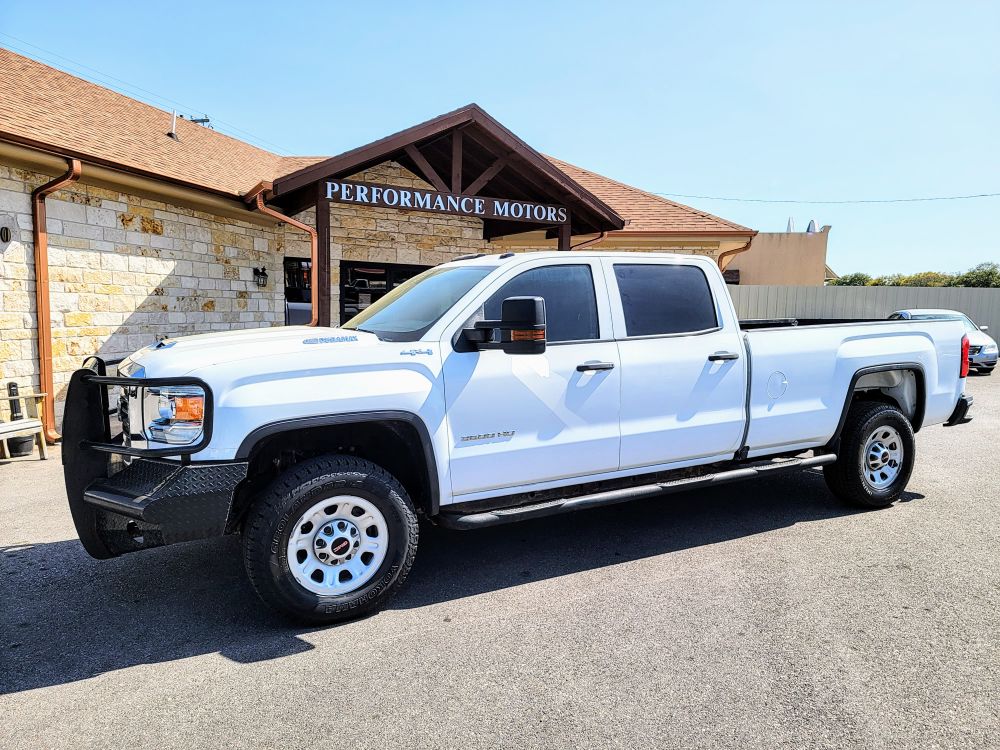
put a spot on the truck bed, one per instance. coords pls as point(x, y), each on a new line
point(801, 370)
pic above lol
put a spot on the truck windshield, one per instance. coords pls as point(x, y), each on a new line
point(408, 311)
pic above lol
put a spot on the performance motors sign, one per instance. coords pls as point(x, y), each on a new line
point(413, 199)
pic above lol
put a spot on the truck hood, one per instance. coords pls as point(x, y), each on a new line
point(980, 338)
point(282, 345)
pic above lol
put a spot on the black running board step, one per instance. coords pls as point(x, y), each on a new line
point(553, 507)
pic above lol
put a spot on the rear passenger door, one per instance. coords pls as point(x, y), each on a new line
point(683, 365)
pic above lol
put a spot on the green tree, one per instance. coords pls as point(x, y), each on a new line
point(894, 279)
point(852, 279)
point(985, 274)
point(929, 278)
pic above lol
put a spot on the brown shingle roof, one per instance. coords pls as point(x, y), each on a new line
point(45, 106)
point(645, 212)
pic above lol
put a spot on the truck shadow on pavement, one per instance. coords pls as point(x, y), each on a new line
point(65, 617)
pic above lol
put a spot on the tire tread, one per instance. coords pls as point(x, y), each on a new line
point(843, 477)
point(300, 477)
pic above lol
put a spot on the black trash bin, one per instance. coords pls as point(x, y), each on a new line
point(17, 446)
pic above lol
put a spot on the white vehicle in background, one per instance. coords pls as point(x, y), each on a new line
point(982, 347)
point(487, 390)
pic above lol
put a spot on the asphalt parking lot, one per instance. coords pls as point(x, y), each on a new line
point(758, 615)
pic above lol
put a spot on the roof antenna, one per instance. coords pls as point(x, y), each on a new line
point(172, 133)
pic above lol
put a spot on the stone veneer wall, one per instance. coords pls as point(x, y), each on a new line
point(388, 235)
point(125, 271)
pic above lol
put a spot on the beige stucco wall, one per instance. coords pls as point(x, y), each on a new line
point(784, 258)
point(124, 271)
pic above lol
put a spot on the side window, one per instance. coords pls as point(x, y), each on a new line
point(660, 299)
point(570, 302)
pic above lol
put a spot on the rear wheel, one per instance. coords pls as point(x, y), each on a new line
point(331, 539)
point(876, 456)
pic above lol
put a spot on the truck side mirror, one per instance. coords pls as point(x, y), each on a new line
point(520, 330)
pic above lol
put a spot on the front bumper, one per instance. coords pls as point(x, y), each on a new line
point(983, 361)
point(147, 499)
point(960, 414)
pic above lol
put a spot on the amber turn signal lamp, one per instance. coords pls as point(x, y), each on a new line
point(189, 408)
point(529, 335)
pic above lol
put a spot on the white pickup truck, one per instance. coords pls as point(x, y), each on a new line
point(487, 390)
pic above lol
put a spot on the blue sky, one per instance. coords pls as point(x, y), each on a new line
point(822, 101)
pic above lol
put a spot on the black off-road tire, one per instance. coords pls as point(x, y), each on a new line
point(845, 477)
point(271, 520)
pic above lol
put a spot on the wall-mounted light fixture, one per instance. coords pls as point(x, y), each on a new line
point(260, 276)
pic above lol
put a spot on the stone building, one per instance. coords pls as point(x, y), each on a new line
point(120, 224)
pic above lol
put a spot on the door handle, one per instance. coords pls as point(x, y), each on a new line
point(722, 356)
point(592, 366)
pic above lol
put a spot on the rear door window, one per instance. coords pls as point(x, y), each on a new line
point(660, 299)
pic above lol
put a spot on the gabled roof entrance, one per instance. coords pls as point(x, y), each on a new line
point(465, 153)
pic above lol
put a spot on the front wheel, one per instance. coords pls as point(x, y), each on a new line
point(876, 456)
point(331, 539)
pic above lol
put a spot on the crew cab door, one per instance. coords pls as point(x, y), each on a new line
point(683, 364)
point(521, 419)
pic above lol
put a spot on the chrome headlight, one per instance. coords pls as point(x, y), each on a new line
point(174, 414)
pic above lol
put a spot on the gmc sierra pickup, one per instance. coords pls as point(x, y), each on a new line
point(484, 391)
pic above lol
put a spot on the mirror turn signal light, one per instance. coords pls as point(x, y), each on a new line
point(529, 335)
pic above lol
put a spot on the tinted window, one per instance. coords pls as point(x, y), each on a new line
point(570, 303)
point(660, 299)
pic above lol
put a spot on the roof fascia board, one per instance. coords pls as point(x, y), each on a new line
point(353, 161)
point(90, 158)
point(52, 161)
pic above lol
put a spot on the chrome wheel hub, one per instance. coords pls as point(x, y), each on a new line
point(337, 545)
point(882, 458)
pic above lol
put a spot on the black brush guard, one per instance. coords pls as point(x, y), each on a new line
point(160, 496)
